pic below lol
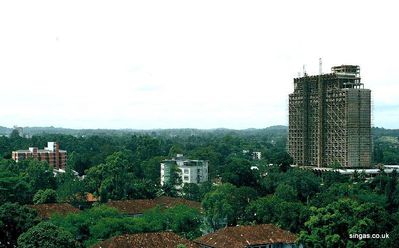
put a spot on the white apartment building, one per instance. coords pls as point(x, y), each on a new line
point(191, 171)
point(256, 155)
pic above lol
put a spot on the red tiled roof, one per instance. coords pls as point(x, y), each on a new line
point(91, 198)
point(142, 205)
point(147, 240)
point(46, 210)
point(242, 236)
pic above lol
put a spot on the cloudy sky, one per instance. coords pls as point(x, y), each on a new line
point(194, 64)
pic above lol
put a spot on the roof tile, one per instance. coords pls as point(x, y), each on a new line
point(242, 236)
point(147, 240)
point(140, 206)
point(46, 210)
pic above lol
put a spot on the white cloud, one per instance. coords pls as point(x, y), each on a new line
point(150, 64)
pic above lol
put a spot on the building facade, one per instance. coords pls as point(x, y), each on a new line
point(256, 155)
point(52, 154)
point(190, 171)
point(330, 119)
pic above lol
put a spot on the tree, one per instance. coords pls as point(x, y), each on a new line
point(13, 188)
point(335, 165)
point(172, 186)
point(39, 175)
point(264, 210)
point(284, 160)
point(147, 147)
point(46, 235)
point(238, 172)
point(220, 206)
point(330, 226)
point(271, 209)
point(191, 191)
point(70, 188)
point(204, 188)
point(142, 189)
point(77, 162)
point(175, 149)
point(117, 179)
point(347, 190)
point(96, 222)
point(151, 168)
point(304, 182)
point(329, 178)
point(393, 238)
point(269, 183)
point(395, 197)
point(45, 196)
point(209, 153)
point(181, 219)
point(286, 192)
point(14, 220)
point(281, 158)
point(243, 197)
point(102, 222)
point(390, 189)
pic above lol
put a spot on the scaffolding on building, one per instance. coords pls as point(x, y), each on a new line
point(330, 120)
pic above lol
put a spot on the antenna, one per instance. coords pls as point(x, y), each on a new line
point(320, 67)
point(304, 71)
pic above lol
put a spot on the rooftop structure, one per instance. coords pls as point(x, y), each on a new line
point(147, 240)
point(330, 119)
point(52, 154)
point(191, 171)
point(265, 235)
point(138, 207)
point(45, 211)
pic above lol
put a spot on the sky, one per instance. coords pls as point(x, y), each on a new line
point(186, 64)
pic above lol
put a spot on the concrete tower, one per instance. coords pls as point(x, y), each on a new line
point(330, 119)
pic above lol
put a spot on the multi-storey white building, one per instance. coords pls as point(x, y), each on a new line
point(256, 155)
point(191, 171)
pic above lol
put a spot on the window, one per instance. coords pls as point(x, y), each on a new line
point(185, 178)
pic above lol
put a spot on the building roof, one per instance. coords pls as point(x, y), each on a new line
point(91, 198)
point(140, 206)
point(22, 151)
point(39, 151)
point(147, 240)
point(46, 210)
point(243, 236)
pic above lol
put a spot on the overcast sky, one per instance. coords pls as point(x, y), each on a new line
point(185, 64)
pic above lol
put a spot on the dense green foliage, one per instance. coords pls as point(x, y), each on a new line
point(103, 222)
point(323, 210)
point(118, 178)
point(45, 196)
point(47, 235)
point(14, 220)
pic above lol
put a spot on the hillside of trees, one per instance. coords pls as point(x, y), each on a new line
point(385, 141)
point(323, 210)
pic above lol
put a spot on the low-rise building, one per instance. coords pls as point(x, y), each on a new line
point(256, 236)
point(190, 171)
point(52, 154)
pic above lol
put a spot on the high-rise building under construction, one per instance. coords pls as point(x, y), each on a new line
point(330, 119)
